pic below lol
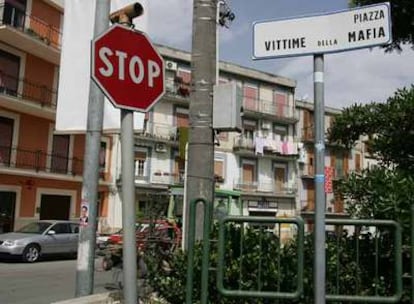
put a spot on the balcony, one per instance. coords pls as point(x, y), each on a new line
point(39, 161)
point(308, 207)
point(307, 171)
point(168, 178)
point(264, 187)
point(32, 98)
point(161, 178)
point(269, 148)
point(159, 132)
point(29, 34)
point(258, 108)
point(177, 90)
point(308, 133)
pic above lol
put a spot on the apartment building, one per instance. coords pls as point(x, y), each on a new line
point(270, 162)
point(338, 163)
point(40, 170)
point(260, 162)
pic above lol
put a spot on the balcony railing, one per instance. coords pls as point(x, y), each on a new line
point(39, 94)
point(268, 107)
point(30, 25)
point(308, 133)
point(167, 178)
point(177, 88)
point(160, 131)
point(307, 205)
point(38, 160)
point(269, 146)
point(307, 171)
point(270, 187)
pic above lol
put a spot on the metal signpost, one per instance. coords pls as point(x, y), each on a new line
point(129, 70)
point(316, 35)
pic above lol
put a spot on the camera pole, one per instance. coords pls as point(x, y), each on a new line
point(87, 236)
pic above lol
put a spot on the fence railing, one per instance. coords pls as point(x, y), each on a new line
point(268, 107)
point(271, 187)
point(39, 94)
point(31, 25)
point(38, 160)
point(160, 131)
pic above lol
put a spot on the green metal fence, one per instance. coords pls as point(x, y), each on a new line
point(277, 294)
point(389, 228)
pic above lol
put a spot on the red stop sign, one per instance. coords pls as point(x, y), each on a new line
point(127, 68)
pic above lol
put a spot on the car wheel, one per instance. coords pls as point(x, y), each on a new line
point(31, 253)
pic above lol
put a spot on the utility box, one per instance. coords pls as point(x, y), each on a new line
point(227, 107)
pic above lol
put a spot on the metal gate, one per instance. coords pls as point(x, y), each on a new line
point(392, 231)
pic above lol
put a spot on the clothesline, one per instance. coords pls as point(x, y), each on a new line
point(284, 147)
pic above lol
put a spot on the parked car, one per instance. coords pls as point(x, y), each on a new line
point(164, 232)
point(41, 238)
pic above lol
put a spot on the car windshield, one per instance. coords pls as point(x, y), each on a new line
point(35, 228)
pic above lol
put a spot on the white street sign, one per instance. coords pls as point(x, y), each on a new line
point(334, 32)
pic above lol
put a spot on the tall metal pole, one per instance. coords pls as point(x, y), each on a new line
point(87, 236)
point(129, 248)
point(200, 176)
point(319, 232)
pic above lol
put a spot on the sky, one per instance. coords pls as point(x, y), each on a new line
point(358, 76)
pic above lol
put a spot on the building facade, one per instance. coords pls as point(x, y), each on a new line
point(270, 162)
point(40, 170)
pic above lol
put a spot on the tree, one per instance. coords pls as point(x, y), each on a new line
point(384, 192)
point(402, 15)
point(389, 127)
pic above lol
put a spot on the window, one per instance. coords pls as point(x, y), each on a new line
point(14, 13)
point(248, 175)
point(281, 104)
point(102, 157)
point(62, 228)
point(219, 169)
point(9, 73)
point(6, 138)
point(250, 94)
point(181, 117)
point(183, 80)
point(280, 132)
point(140, 162)
point(280, 175)
point(60, 153)
point(249, 128)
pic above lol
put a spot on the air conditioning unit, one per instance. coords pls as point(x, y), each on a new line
point(171, 65)
point(266, 125)
point(160, 147)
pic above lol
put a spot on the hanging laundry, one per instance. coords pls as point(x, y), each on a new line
point(285, 147)
point(259, 144)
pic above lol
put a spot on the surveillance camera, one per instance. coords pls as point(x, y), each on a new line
point(127, 13)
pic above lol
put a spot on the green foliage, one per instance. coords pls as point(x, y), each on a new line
point(255, 260)
point(379, 193)
point(390, 127)
point(402, 15)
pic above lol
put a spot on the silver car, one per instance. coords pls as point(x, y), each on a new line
point(41, 238)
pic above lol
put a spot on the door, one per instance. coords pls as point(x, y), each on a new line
point(54, 207)
point(279, 176)
point(7, 210)
point(280, 101)
point(60, 153)
point(61, 241)
point(6, 138)
point(248, 177)
point(310, 196)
